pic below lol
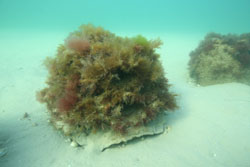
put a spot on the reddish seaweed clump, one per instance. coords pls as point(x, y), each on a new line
point(67, 102)
point(77, 44)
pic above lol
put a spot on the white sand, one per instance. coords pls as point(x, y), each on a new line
point(211, 127)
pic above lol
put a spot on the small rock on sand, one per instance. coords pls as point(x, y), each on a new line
point(25, 115)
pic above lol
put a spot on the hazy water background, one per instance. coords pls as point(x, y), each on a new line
point(183, 16)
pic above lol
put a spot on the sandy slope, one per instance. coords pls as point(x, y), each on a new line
point(211, 127)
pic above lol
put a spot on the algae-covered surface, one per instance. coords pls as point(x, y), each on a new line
point(102, 82)
point(221, 59)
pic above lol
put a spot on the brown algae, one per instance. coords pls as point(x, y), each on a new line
point(221, 59)
point(102, 82)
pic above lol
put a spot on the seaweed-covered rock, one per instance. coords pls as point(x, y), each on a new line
point(101, 82)
point(221, 59)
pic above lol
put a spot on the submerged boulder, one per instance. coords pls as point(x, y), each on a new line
point(102, 83)
point(221, 59)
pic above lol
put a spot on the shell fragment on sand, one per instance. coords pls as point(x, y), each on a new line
point(74, 144)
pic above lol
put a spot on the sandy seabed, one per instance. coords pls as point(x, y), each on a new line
point(210, 128)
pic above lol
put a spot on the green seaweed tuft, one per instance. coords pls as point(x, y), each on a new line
point(142, 41)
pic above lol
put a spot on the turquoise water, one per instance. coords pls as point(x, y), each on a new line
point(130, 15)
point(211, 126)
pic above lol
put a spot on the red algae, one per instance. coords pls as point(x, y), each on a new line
point(77, 44)
point(67, 102)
